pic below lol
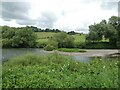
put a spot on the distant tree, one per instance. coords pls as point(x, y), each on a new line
point(64, 40)
point(71, 33)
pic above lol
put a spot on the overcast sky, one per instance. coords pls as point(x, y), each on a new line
point(66, 15)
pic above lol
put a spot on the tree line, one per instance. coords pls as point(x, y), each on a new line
point(25, 37)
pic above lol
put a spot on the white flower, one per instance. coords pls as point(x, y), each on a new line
point(53, 70)
point(62, 68)
point(103, 66)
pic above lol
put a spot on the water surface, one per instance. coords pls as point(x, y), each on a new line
point(9, 53)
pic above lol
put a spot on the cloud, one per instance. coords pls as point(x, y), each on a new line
point(15, 10)
point(109, 5)
point(119, 9)
point(47, 19)
point(67, 15)
point(26, 22)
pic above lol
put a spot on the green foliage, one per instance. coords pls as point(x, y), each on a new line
point(49, 47)
point(43, 39)
point(64, 40)
point(99, 45)
point(58, 71)
point(109, 30)
point(41, 43)
point(52, 45)
point(14, 37)
point(71, 50)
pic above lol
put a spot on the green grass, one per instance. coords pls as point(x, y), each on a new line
point(71, 50)
point(42, 38)
point(45, 35)
point(79, 38)
point(58, 71)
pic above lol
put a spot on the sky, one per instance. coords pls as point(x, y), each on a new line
point(66, 15)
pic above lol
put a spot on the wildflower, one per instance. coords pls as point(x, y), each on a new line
point(103, 66)
point(62, 68)
point(53, 70)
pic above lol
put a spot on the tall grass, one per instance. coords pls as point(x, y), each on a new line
point(58, 71)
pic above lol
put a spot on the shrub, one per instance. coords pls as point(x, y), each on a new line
point(49, 47)
point(41, 44)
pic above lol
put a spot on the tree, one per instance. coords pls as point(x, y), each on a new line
point(110, 30)
point(64, 40)
point(24, 38)
point(18, 37)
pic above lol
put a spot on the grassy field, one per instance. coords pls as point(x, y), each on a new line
point(58, 71)
point(43, 37)
point(46, 35)
point(79, 38)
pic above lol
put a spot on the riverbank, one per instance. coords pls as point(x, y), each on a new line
point(89, 52)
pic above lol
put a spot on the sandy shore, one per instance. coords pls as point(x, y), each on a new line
point(89, 53)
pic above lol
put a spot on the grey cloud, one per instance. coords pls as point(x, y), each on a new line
point(109, 5)
point(26, 22)
point(119, 8)
point(15, 10)
point(47, 20)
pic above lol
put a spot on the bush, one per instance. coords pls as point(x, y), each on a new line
point(41, 44)
point(49, 47)
point(64, 40)
point(79, 45)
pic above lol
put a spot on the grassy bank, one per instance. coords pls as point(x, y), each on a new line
point(58, 71)
point(71, 50)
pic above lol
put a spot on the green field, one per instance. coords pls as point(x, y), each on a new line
point(46, 35)
point(79, 38)
point(43, 37)
point(58, 71)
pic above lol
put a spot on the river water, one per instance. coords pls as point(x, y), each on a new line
point(82, 57)
point(9, 53)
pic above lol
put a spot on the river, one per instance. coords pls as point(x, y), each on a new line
point(83, 57)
